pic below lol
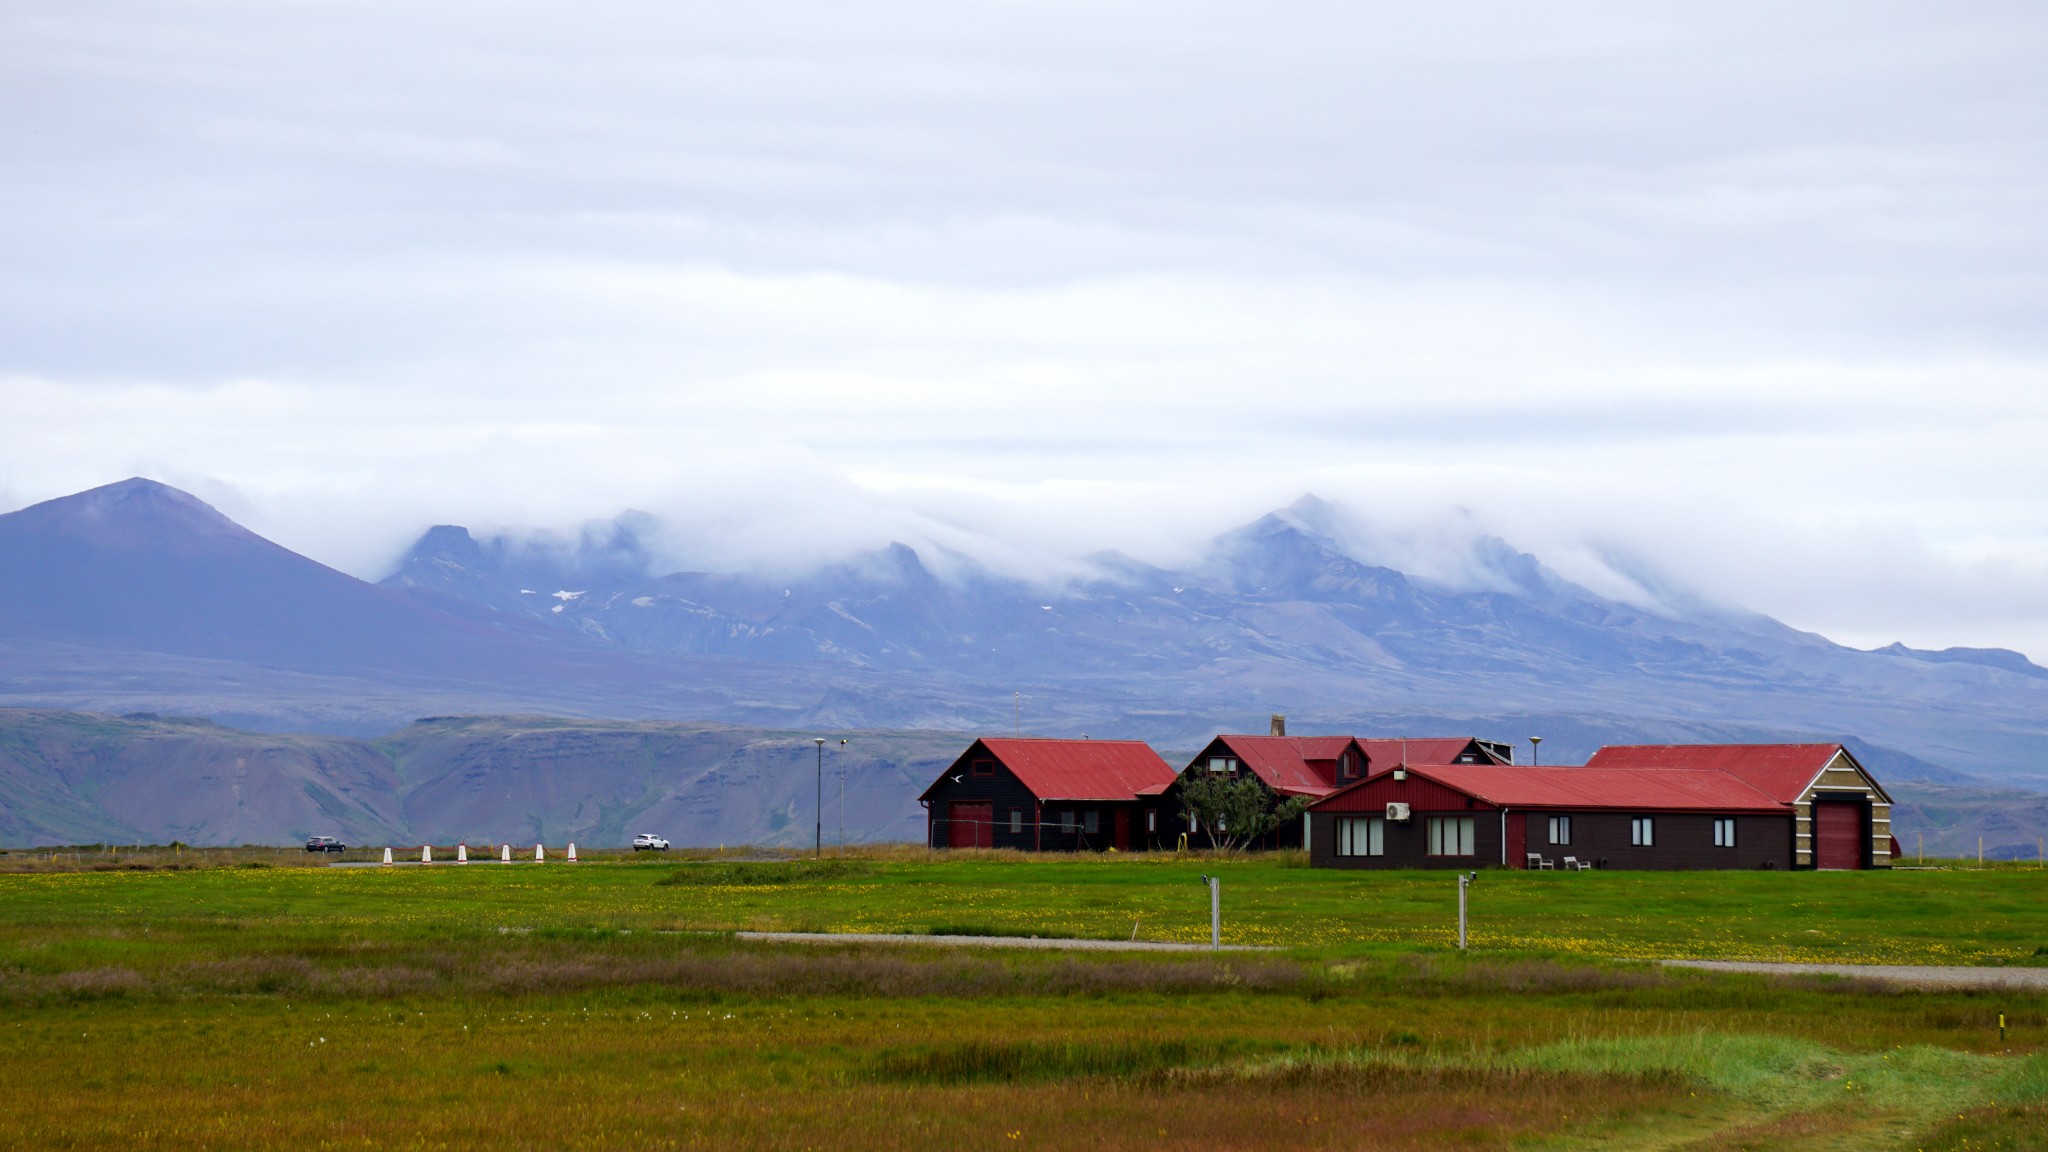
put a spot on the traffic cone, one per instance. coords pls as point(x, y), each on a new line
point(462, 853)
point(504, 854)
point(572, 851)
point(539, 854)
point(426, 853)
point(387, 857)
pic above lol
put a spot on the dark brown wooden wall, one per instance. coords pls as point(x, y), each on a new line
point(1684, 841)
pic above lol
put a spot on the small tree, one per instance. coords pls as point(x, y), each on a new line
point(1235, 810)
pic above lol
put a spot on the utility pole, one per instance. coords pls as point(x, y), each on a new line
point(842, 795)
point(818, 849)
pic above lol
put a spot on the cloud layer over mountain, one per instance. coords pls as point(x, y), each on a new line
point(1741, 298)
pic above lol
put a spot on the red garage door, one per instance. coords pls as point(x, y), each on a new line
point(1838, 835)
point(972, 824)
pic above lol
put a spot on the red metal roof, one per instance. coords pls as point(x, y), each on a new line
point(1082, 769)
point(1381, 755)
point(1782, 771)
point(1661, 790)
point(1291, 765)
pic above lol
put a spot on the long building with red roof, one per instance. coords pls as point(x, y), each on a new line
point(1777, 806)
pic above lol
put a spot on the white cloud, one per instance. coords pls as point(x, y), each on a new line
point(1744, 293)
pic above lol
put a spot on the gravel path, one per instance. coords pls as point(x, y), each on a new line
point(986, 941)
point(1927, 975)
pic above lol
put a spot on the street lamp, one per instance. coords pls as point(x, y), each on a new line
point(818, 848)
point(1535, 747)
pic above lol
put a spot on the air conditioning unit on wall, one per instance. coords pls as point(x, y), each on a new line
point(1397, 810)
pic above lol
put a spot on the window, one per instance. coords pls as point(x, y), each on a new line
point(1361, 836)
point(1347, 765)
point(1724, 832)
point(1451, 836)
point(982, 768)
point(1151, 819)
point(1067, 822)
point(1642, 832)
point(1561, 830)
point(1016, 821)
point(1222, 764)
point(1091, 822)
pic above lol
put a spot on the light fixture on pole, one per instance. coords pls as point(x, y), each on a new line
point(1535, 748)
point(818, 848)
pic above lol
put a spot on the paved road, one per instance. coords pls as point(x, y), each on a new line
point(986, 941)
point(1925, 975)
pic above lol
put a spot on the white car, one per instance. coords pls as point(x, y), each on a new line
point(648, 841)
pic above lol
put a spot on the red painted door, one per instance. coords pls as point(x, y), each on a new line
point(1838, 836)
point(1123, 830)
point(1518, 840)
point(971, 824)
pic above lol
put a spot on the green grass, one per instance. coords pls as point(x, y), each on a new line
point(608, 1005)
point(1946, 917)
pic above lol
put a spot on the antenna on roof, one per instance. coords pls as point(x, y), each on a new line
point(1017, 714)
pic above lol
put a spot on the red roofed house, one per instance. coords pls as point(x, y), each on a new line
point(1671, 807)
point(1312, 766)
point(1043, 795)
point(1841, 816)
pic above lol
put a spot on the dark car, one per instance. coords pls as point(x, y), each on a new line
point(325, 844)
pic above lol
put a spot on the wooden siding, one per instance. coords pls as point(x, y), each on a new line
point(1407, 842)
point(1684, 841)
point(1839, 780)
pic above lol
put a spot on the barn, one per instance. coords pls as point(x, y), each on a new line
point(1042, 795)
point(1640, 807)
point(1841, 814)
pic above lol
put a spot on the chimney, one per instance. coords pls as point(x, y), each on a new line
point(1279, 724)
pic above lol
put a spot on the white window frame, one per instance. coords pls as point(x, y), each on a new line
point(1361, 836)
point(1561, 831)
point(1151, 819)
point(1221, 765)
point(1724, 831)
point(1453, 836)
point(1642, 831)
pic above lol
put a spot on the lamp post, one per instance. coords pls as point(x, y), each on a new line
point(1535, 748)
point(818, 848)
point(1215, 884)
point(842, 795)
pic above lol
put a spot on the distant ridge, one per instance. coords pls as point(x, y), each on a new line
point(141, 566)
point(137, 597)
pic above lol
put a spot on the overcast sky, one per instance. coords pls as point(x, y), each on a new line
point(1750, 295)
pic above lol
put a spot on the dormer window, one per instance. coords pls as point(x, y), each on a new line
point(1347, 765)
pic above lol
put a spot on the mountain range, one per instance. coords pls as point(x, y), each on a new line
point(137, 597)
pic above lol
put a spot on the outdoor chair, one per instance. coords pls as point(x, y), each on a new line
point(1538, 863)
point(1574, 864)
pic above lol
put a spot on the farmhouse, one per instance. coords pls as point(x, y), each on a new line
point(1661, 807)
point(1310, 766)
point(1043, 795)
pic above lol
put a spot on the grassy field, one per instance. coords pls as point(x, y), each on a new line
point(230, 999)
